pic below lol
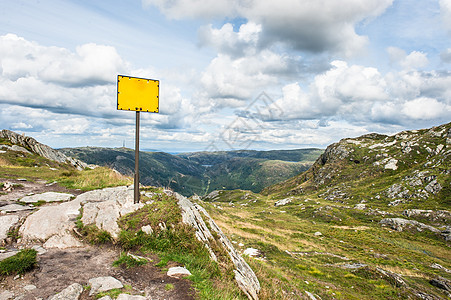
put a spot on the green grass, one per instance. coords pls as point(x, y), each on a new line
point(23, 261)
point(128, 261)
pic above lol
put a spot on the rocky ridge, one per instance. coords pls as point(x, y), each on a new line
point(22, 143)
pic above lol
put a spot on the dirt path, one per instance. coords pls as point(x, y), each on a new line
point(57, 269)
point(61, 268)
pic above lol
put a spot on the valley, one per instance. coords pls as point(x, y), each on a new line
point(369, 219)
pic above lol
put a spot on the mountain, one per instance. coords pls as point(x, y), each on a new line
point(202, 172)
point(371, 219)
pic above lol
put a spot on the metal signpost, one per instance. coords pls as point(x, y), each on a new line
point(137, 94)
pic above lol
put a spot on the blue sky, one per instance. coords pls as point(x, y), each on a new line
point(233, 74)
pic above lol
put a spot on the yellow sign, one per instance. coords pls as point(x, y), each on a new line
point(137, 94)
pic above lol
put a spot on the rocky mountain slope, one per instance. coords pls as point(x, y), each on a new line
point(371, 219)
point(203, 172)
point(100, 244)
point(11, 139)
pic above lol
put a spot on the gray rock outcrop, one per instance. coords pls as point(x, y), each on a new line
point(41, 149)
point(194, 214)
point(72, 292)
point(399, 224)
point(104, 207)
point(53, 225)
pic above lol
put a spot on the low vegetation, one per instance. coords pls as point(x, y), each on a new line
point(23, 261)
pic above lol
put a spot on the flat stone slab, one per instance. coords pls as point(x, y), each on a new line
point(14, 208)
point(47, 197)
point(178, 271)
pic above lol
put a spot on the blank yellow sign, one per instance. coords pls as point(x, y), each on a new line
point(138, 94)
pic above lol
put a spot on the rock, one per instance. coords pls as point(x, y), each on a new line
point(54, 222)
point(103, 284)
point(178, 271)
point(8, 254)
point(194, 215)
point(441, 216)
point(440, 267)
point(6, 223)
point(6, 295)
point(105, 298)
point(433, 187)
point(283, 201)
point(47, 197)
point(395, 279)
point(398, 224)
point(29, 287)
point(41, 149)
point(391, 164)
point(14, 208)
point(360, 206)
point(318, 233)
point(446, 233)
point(103, 207)
point(441, 283)
point(72, 292)
point(147, 229)
point(252, 252)
point(130, 297)
point(310, 295)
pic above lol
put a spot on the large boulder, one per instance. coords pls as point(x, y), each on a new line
point(104, 207)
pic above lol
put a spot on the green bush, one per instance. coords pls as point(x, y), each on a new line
point(23, 261)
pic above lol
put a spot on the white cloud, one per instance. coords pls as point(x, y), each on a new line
point(445, 9)
point(91, 64)
point(316, 26)
point(414, 61)
point(239, 79)
point(226, 40)
point(425, 109)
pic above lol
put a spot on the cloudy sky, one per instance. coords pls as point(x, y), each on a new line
point(234, 74)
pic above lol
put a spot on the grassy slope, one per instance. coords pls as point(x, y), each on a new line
point(323, 200)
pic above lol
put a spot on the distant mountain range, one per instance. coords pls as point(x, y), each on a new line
point(203, 172)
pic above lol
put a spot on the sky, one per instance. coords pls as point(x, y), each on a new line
point(234, 74)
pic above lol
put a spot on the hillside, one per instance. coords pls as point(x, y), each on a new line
point(370, 219)
point(202, 172)
point(77, 234)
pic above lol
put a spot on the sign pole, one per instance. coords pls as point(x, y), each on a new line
point(136, 181)
point(140, 95)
